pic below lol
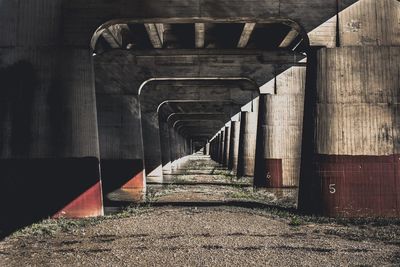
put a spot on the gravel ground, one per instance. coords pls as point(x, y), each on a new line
point(224, 235)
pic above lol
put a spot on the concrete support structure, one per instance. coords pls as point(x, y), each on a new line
point(165, 146)
point(226, 146)
point(49, 149)
point(356, 152)
point(353, 168)
point(247, 141)
point(120, 149)
point(234, 146)
point(152, 146)
point(280, 131)
point(207, 148)
point(221, 146)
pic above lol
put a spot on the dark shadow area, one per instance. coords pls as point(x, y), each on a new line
point(309, 187)
point(19, 84)
point(260, 173)
point(34, 189)
point(115, 173)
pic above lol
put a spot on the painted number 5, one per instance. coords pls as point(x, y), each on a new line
point(332, 188)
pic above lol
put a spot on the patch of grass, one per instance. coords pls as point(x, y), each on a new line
point(51, 227)
point(296, 221)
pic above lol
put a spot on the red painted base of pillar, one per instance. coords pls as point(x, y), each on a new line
point(359, 186)
point(123, 174)
point(33, 189)
point(88, 204)
point(136, 182)
point(273, 173)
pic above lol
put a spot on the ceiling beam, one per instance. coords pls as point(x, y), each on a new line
point(245, 36)
point(113, 36)
point(289, 38)
point(200, 34)
point(156, 34)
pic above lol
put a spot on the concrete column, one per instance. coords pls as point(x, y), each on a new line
point(356, 132)
point(280, 131)
point(217, 147)
point(121, 145)
point(165, 146)
point(152, 147)
point(207, 149)
point(49, 148)
point(221, 147)
point(353, 108)
point(173, 151)
point(247, 142)
point(213, 148)
point(234, 146)
point(226, 145)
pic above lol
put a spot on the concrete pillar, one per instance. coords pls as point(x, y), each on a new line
point(280, 131)
point(356, 132)
point(152, 147)
point(217, 147)
point(234, 146)
point(247, 142)
point(353, 108)
point(121, 145)
point(49, 150)
point(173, 147)
point(226, 145)
point(221, 147)
point(213, 150)
point(207, 149)
point(165, 146)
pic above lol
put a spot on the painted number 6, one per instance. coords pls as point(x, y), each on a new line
point(332, 188)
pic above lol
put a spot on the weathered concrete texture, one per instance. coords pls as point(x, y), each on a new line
point(370, 22)
point(234, 146)
point(280, 133)
point(49, 146)
point(366, 22)
point(247, 141)
point(165, 146)
point(120, 150)
point(356, 132)
point(227, 145)
point(124, 72)
point(48, 119)
point(221, 146)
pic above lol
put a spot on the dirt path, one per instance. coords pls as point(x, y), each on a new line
point(206, 225)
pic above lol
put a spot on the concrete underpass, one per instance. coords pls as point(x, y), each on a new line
point(199, 132)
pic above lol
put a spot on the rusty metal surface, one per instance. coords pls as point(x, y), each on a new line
point(353, 186)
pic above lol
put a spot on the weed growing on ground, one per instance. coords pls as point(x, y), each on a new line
point(295, 221)
point(50, 227)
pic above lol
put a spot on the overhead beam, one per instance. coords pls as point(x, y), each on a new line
point(200, 34)
point(245, 36)
point(289, 38)
point(113, 36)
point(156, 34)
